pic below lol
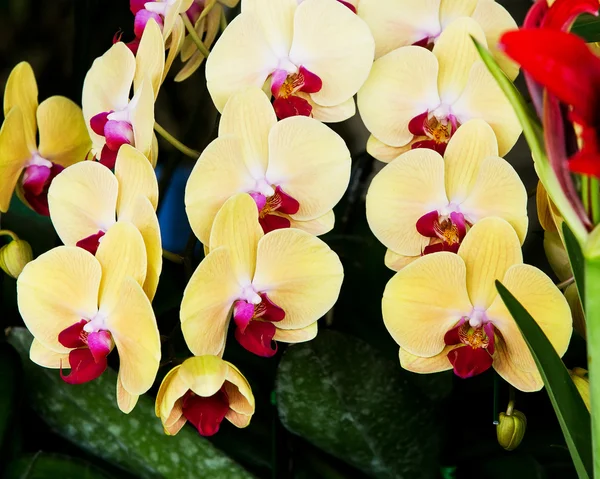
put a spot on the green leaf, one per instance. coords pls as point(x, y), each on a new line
point(10, 370)
point(587, 27)
point(88, 416)
point(577, 261)
point(570, 409)
point(52, 466)
point(341, 395)
point(534, 135)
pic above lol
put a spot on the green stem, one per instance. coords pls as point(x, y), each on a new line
point(9, 233)
point(175, 142)
point(223, 20)
point(195, 38)
point(595, 200)
point(173, 257)
point(585, 193)
point(592, 299)
point(566, 282)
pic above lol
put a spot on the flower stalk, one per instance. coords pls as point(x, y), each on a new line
point(194, 36)
point(175, 142)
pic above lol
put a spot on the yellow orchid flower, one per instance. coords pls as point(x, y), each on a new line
point(444, 312)
point(111, 117)
point(400, 23)
point(25, 164)
point(296, 170)
point(205, 15)
point(78, 307)
point(87, 200)
point(313, 57)
point(421, 203)
point(277, 285)
point(416, 98)
point(204, 390)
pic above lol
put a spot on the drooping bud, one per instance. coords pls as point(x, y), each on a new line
point(582, 383)
point(511, 429)
point(14, 256)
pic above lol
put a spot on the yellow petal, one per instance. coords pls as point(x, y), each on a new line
point(219, 174)
point(456, 55)
point(450, 10)
point(240, 59)
point(297, 335)
point(14, 155)
point(249, 116)
point(154, 151)
point(175, 45)
point(300, 274)
point(21, 90)
point(144, 219)
point(522, 380)
point(150, 57)
point(207, 301)
point(64, 138)
point(121, 254)
point(544, 210)
point(434, 364)
point(397, 24)
point(572, 297)
point(489, 249)
point(236, 227)
point(136, 177)
point(498, 191)
point(82, 201)
point(397, 261)
point(466, 150)
point(47, 358)
point(125, 400)
point(204, 374)
point(310, 162)
point(544, 302)
point(382, 152)
point(557, 256)
point(406, 189)
point(133, 327)
point(318, 226)
point(423, 301)
point(106, 86)
point(402, 85)
point(277, 22)
point(335, 44)
point(482, 98)
point(172, 15)
point(241, 399)
point(331, 114)
point(142, 118)
point(495, 20)
point(162, 407)
point(57, 290)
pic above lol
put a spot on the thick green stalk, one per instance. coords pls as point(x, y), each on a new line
point(592, 299)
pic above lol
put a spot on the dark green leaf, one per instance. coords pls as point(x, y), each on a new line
point(570, 409)
point(587, 27)
point(577, 261)
point(88, 416)
point(10, 370)
point(340, 394)
point(52, 466)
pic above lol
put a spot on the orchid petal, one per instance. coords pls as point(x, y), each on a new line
point(297, 335)
point(136, 177)
point(318, 226)
point(46, 357)
point(21, 91)
point(14, 155)
point(142, 118)
point(277, 22)
point(125, 400)
point(396, 261)
point(522, 380)
point(382, 152)
point(331, 114)
point(450, 10)
point(433, 364)
point(150, 57)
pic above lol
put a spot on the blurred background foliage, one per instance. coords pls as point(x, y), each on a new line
point(337, 407)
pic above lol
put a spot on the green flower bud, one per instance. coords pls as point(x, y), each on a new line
point(511, 429)
point(14, 256)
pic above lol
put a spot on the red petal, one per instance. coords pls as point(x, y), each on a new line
point(39, 201)
point(287, 205)
point(268, 310)
point(136, 5)
point(291, 106)
point(563, 13)
point(426, 224)
point(273, 222)
point(108, 157)
point(349, 5)
point(97, 122)
point(71, 336)
point(258, 338)
point(83, 367)
point(536, 14)
point(206, 413)
point(100, 344)
point(469, 362)
point(417, 125)
point(243, 312)
point(312, 82)
point(91, 243)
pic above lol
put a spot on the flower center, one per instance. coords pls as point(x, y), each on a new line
point(37, 176)
point(474, 338)
point(205, 413)
point(89, 346)
point(433, 130)
point(254, 324)
point(273, 208)
point(286, 87)
point(446, 231)
point(116, 128)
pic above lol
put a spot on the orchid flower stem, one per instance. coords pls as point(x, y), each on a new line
point(585, 194)
point(595, 200)
point(173, 257)
point(567, 282)
point(223, 20)
point(195, 38)
point(9, 233)
point(175, 142)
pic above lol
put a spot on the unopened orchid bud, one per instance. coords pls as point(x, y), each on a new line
point(14, 256)
point(511, 429)
point(582, 383)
